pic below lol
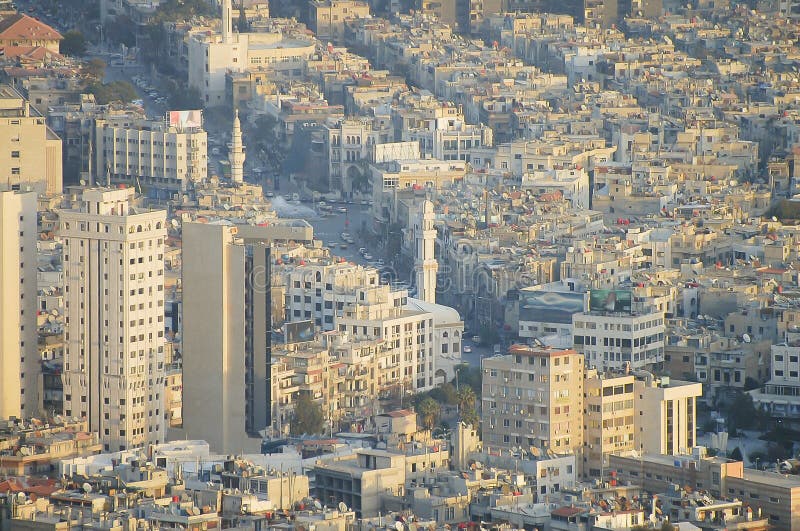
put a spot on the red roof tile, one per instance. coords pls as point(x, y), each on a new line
point(23, 27)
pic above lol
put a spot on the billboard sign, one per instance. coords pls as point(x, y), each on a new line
point(549, 306)
point(185, 119)
point(299, 331)
point(610, 300)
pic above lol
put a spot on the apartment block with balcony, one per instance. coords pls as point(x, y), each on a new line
point(609, 412)
point(149, 153)
point(533, 399)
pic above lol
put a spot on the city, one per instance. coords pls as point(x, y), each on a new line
point(394, 265)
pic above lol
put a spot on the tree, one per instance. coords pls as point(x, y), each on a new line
point(428, 410)
point(73, 43)
point(736, 454)
point(181, 97)
point(242, 25)
point(489, 335)
point(308, 417)
point(95, 69)
point(121, 30)
point(115, 91)
point(466, 406)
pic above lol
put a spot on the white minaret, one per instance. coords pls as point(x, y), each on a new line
point(236, 157)
point(425, 264)
point(227, 20)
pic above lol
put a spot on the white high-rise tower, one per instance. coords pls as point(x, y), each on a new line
point(114, 306)
point(19, 361)
point(425, 264)
point(236, 157)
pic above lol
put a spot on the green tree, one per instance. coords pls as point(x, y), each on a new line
point(115, 91)
point(121, 30)
point(242, 25)
point(308, 417)
point(466, 406)
point(94, 70)
point(736, 454)
point(73, 43)
point(489, 335)
point(428, 410)
point(184, 98)
point(471, 376)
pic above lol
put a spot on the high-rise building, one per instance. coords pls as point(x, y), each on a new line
point(19, 364)
point(226, 337)
point(533, 399)
point(30, 153)
point(113, 257)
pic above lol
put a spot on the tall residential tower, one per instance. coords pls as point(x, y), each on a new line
point(226, 337)
point(114, 304)
point(19, 365)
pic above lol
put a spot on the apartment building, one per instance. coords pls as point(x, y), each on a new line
point(212, 55)
point(612, 340)
point(533, 399)
point(327, 18)
point(19, 360)
point(157, 154)
point(350, 299)
point(777, 496)
point(781, 394)
point(113, 256)
point(609, 411)
point(30, 152)
point(227, 322)
point(348, 143)
point(666, 415)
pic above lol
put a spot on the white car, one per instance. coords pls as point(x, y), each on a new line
point(467, 349)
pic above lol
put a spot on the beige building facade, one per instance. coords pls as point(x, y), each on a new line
point(226, 327)
point(30, 153)
point(19, 363)
point(114, 304)
point(533, 399)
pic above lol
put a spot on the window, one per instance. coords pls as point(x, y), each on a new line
point(15, 154)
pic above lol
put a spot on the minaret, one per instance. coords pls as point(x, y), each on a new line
point(425, 264)
point(227, 21)
point(236, 156)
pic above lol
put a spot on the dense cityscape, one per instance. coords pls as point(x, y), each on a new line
point(400, 265)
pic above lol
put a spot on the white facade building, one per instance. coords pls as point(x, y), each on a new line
point(781, 394)
point(19, 363)
point(149, 153)
point(114, 303)
point(351, 299)
point(666, 418)
point(612, 341)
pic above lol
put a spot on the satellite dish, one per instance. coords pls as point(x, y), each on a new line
point(342, 507)
point(399, 526)
point(746, 338)
point(86, 488)
point(21, 497)
point(317, 505)
point(83, 182)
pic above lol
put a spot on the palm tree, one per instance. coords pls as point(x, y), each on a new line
point(466, 405)
point(428, 410)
